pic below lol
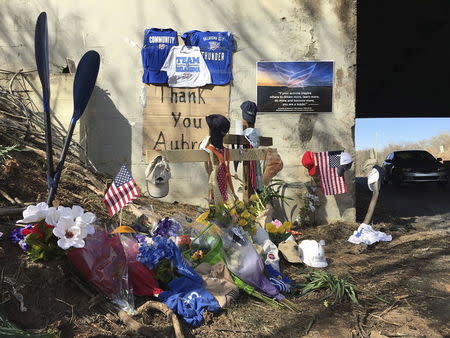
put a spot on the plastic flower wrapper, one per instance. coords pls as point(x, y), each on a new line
point(219, 214)
point(103, 263)
point(141, 278)
point(160, 248)
point(167, 227)
point(243, 261)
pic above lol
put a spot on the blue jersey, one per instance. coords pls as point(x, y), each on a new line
point(217, 49)
point(157, 45)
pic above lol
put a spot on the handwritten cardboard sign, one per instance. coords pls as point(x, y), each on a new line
point(174, 118)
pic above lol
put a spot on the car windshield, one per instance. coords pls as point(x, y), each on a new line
point(414, 155)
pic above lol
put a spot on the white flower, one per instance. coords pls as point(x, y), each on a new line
point(82, 219)
point(34, 213)
point(86, 220)
point(52, 216)
point(69, 233)
point(73, 212)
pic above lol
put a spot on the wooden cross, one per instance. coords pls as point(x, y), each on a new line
point(241, 155)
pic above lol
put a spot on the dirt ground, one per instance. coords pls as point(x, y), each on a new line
point(403, 285)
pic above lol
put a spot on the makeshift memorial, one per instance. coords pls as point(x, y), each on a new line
point(243, 261)
point(122, 191)
point(327, 163)
point(280, 281)
point(312, 253)
point(219, 126)
point(271, 252)
point(157, 176)
point(268, 198)
point(218, 281)
point(167, 227)
point(278, 232)
point(143, 280)
point(217, 49)
point(103, 263)
point(45, 230)
point(249, 112)
point(241, 213)
point(289, 250)
point(189, 299)
point(186, 67)
point(273, 165)
point(307, 211)
point(153, 250)
point(157, 45)
point(83, 85)
point(345, 163)
point(308, 161)
point(42, 63)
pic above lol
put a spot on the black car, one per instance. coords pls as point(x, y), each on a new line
point(414, 166)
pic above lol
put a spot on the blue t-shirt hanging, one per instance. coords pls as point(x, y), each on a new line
point(217, 49)
point(157, 45)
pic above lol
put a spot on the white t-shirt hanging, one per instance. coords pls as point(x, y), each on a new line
point(185, 67)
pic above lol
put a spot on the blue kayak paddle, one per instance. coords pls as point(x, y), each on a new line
point(83, 85)
point(41, 55)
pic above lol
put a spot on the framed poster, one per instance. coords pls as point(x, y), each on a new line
point(295, 86)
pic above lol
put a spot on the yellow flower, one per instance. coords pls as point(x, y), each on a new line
point(242, 222)
point(245, 214)
point(287, 226)
point(240, 205)
point(272, 228)
point(197, 255)
point(233, 212)
point(202, 219)
point(252, 217)
point(253, 210)
point(254, 198)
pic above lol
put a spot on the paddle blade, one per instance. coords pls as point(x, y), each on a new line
point(41, 54)
point(84, 82)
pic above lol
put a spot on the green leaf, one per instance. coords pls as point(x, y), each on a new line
point(33, 239)
point(48, 233)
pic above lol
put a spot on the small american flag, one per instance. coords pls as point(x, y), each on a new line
point(121, 192)
point(328, 162)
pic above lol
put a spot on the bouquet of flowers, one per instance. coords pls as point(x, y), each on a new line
point(278, 232)
point(44, 230)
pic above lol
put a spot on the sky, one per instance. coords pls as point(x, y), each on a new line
point(295, 74)
point(380, 132)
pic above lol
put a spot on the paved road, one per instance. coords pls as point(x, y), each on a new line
point(420, 201)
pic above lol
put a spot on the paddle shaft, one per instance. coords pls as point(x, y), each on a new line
point(48, 136)
point(59, 167)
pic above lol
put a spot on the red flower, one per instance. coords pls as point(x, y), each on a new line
point(35, 230)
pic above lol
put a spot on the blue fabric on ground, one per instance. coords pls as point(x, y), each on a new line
point(151, 254)
point(280, 281)
point(188, 299)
